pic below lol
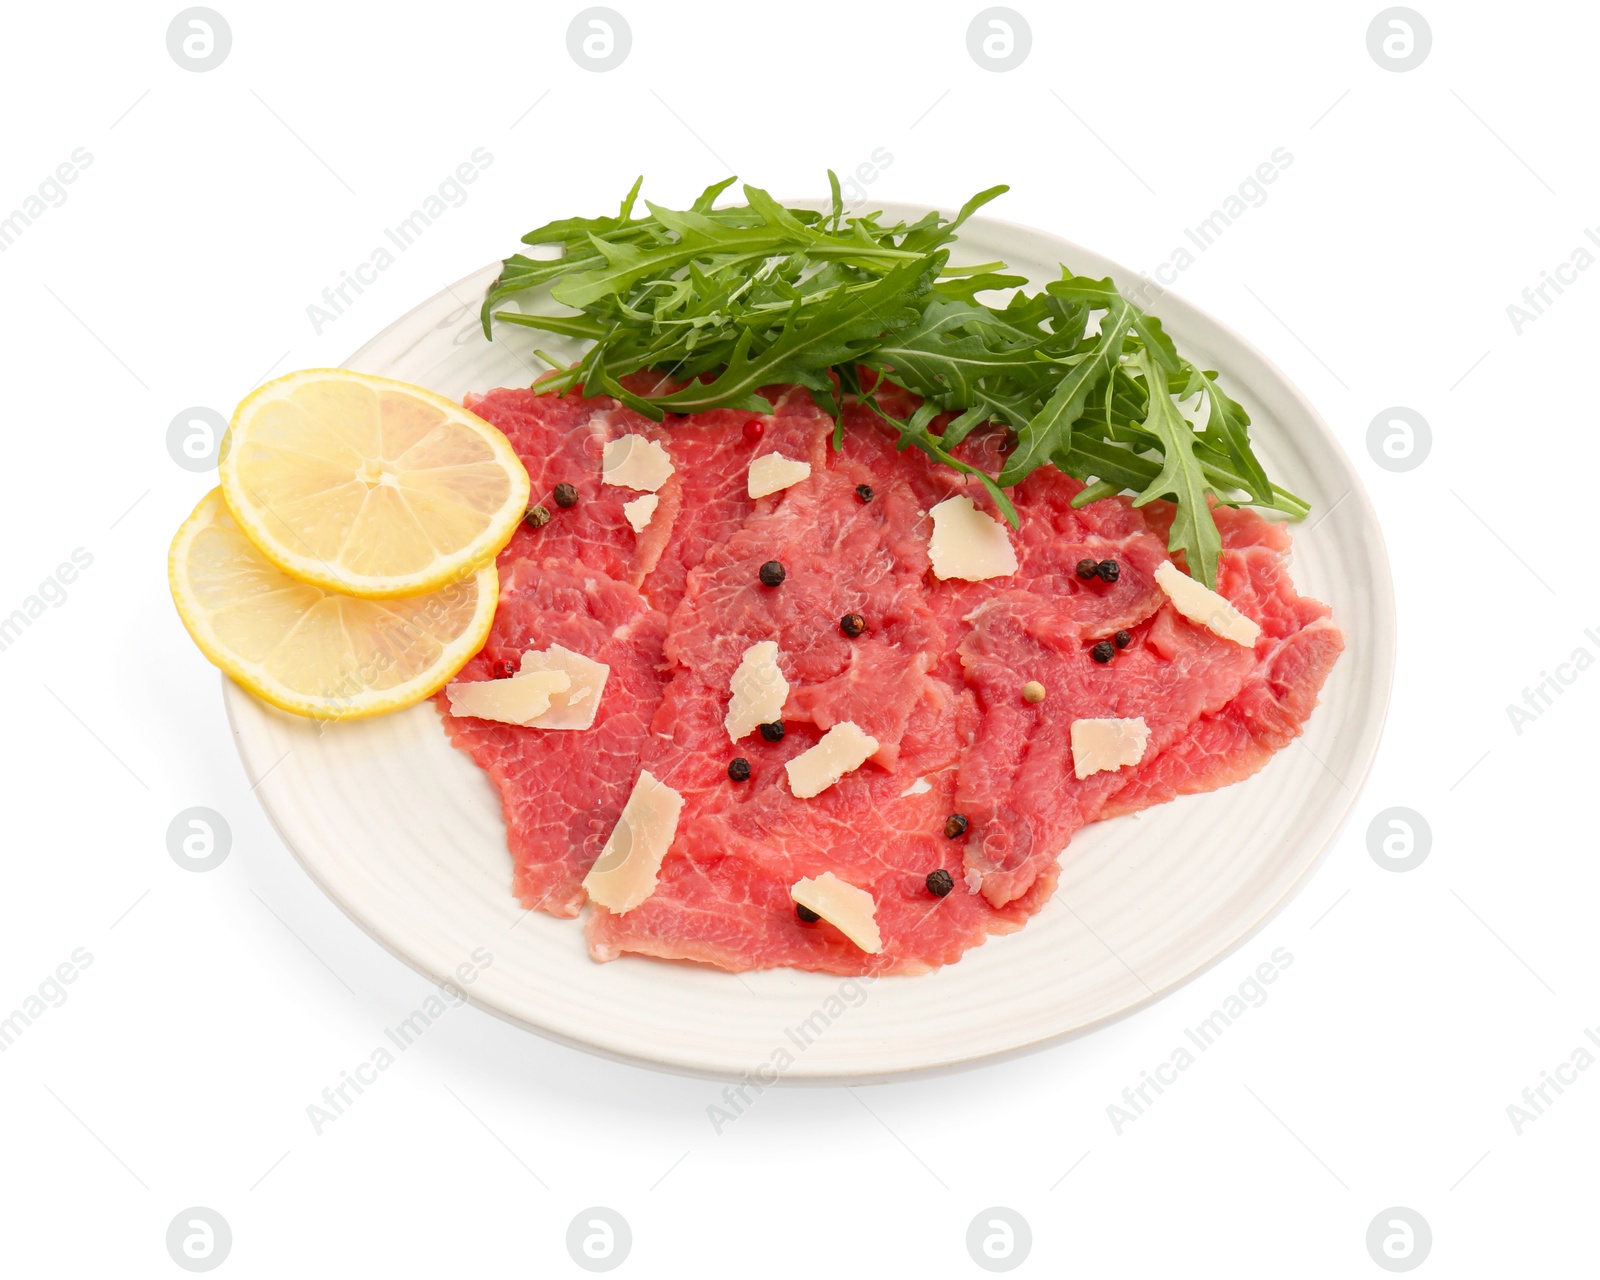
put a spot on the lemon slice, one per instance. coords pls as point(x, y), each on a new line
point(368, 486)
point(311, 651)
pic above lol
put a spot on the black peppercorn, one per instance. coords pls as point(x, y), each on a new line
point(1088, 569)
point(1122, 639)
point(772, 574)
point(864, 492)
point(773, 732)
point(1109, 570)
point(940, 882)
point(852, 624)
point(1103, 652)
point(565, 495)
point(955, 826)
point(739, 769)
point(806, 914)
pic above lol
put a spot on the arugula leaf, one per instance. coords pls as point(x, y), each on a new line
point(1194, 530)
point(1050, 430)
point(724, 301)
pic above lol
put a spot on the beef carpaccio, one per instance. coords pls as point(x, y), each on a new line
point(935, 679)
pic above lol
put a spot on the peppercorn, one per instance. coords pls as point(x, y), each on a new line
point(1109, 570)
point(1088, 568)
point(502, 669)
point(772, 574)
point(739, 769)
point(566, 495)
point(753, 429)
point(1103, 652)
point(864, 492)
point(1033, 691)
point(806, 914)
point(940, 882)
point(773, 732)
point(955, 826)
point(852, 624)
point(537, 516)
point(1122, 639)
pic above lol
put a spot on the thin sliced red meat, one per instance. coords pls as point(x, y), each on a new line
point(560, 440)
point(936, 679)
point(562, 790)
point(723, 896)
point(1017, 782)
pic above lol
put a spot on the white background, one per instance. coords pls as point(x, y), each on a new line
point(178, 272)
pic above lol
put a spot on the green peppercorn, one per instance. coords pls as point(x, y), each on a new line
point(537, 517)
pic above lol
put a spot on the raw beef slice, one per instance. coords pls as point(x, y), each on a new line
point(561, 791)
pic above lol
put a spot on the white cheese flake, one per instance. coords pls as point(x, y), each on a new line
point(759, 690)
point(575, 706)
point(1101, 745)
point(1197, 602)
point(772, 472)
point(635, 462)
point(917, 788)
point(624, 874)
point(842, 749)
point(848, 909)
point(518, 699)
point(968, 544)
point(640, 510)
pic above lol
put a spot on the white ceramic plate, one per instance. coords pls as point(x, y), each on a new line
point(405, 834)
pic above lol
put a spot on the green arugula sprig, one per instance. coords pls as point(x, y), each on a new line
point(729, 300)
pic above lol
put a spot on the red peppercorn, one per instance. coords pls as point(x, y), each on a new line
point(753, 429)
point(503, 668)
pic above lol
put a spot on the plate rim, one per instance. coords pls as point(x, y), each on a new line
point(1381, 594)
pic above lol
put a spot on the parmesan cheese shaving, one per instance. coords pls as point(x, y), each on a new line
point(968, 544)
point(848, 909)
point(635, 462)
point(624, 874)
point(575, 706)
point(842, 749)
point(640, 510)
point(759, 690)
point(1101, 745)
point(519, 699)
point(1197, 602)
point(772, 472)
